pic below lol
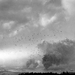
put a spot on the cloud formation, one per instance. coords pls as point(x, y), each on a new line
point(46, 20)
point(60, 53)
point(16, 56)
point(69, 6)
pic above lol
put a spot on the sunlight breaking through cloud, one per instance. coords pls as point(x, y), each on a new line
point(45, 20)
point(16, 55)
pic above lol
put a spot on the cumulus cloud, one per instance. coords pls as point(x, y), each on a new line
point(60, 53)
point(46, 20)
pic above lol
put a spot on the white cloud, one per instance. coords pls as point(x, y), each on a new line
point(45, 20)
point(13, 33)
point(8, 25)
point(69, 6)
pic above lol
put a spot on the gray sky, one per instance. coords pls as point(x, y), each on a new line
point(26, 23)
point(29, 22)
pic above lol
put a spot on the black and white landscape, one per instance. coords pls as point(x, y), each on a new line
point(37, 36)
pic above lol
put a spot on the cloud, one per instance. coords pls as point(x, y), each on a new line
point(60, 53)
point(8, 25)
point(16, 56)
point(46, 20)
point(69, 6)
point(15, 32)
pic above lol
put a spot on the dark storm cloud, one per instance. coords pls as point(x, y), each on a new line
point(61, 53)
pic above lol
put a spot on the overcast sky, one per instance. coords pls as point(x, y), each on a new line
point(31, 21)
point(26, 23)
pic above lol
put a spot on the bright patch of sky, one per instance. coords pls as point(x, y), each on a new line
point(10, 55)
point(46, 20)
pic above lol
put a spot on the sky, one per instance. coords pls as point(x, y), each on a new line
point(69, 6)
point(25, 18)
point(26, 23)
